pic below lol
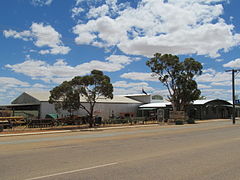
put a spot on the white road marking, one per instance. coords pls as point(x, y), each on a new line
point(73, 171)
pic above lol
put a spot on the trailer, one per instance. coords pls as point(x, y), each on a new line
point(12, 121)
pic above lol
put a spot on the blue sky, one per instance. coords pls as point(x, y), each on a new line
point(44, 42)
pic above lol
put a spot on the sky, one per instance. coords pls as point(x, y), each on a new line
point(45, 42)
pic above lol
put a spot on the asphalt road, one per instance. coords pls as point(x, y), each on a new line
point(200, 151)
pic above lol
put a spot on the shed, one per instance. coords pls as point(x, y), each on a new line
point(120, 104)
point(199, 109)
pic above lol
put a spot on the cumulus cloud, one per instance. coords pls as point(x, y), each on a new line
point(99, 11)
point(76, 11)
point(204, 86)
point(210, 75)
point(209, 79)
point(140, 76)
point(11, 87)
point(125, 84)
point(216, 93)
point(219, 60)
point(60, 70)
point(221, 83)
point(24, 35)
point(174, 26)
point(42, 36)
point(9, 82)
point(233, 64)
point(123, 87)
point(41, 2)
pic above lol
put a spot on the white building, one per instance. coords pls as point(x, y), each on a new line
point(36, 104)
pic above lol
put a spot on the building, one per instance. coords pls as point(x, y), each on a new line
point(199, 109)
point(36, 105)
point(210, 109)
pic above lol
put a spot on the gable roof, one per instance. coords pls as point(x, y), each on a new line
point(37, 97)
point(40, 96)
point(25, 98)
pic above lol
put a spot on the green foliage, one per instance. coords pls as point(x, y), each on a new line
point(178, 77)
point(202, 98)
point(70, 94)
point(157, 97)
point(64, 97)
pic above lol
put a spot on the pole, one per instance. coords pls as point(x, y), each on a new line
point(233, 96)
point(233, 92)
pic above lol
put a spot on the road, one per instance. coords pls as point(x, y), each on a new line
point(201, 151)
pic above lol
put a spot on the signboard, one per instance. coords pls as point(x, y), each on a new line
point(237, 101)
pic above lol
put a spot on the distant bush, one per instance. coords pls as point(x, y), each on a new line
point(191, 121)
point(179, 122)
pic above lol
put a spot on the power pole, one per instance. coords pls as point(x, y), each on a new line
point(233, 92)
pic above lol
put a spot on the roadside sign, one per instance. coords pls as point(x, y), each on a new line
point(237, 101)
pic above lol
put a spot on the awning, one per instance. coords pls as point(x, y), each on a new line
point(147, 109)
point(52, 116)
point(236, 106)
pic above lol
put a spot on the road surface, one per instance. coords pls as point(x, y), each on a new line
point(201, 151)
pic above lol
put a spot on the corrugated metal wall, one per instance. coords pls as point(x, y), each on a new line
point(104, 110)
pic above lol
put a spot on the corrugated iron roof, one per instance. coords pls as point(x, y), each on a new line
point(137, 95)
point(41, 95)
point(204, 101)
point(155, 105)
point(44, 96)
point(164, 104)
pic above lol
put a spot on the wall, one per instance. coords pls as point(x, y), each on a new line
point(104, 110)
point(46, 108)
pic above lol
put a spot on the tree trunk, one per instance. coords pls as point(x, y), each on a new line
point(90, 121)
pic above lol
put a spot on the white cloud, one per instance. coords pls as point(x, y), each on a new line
point(233, 64)
point(209, 81)
point(219, 60)
point(60, 70)
point(76, 11)
point(24, 35)
point(103, 28)
point(99, 11)
point(125, 84)
point(38, 85)
point(123, 87)
point(209, 70)
point(206, 83)
point(222, 83)
point(42, 36)
point(203, 86)
point(11, 87)
point(216, 93)
point(41, 2)
point(140, 76)
point(79, 1)
point(174, 26)
point(9, 82)
point(211, 75)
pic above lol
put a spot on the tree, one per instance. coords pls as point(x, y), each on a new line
point(178, 77)
point(89, 88)
point(157, 97)
point(64, 97)
point(202, 98)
